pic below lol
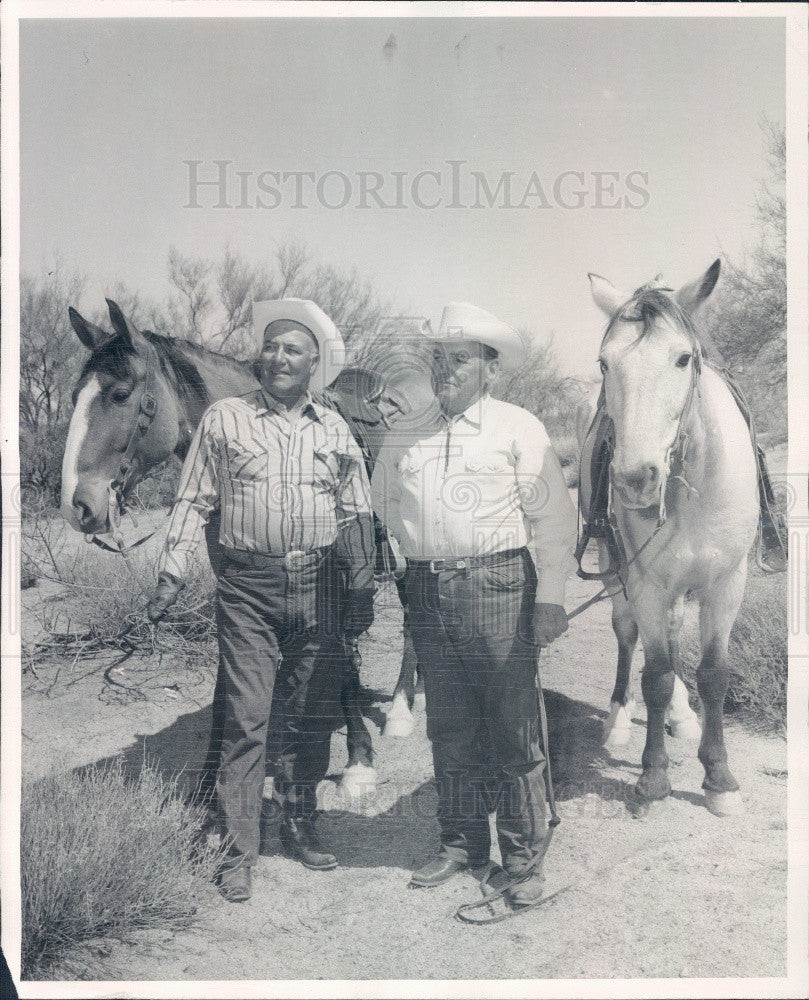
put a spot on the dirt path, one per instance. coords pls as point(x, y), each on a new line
point(675, 893)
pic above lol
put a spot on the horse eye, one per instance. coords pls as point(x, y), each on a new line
point(602, 364)
point(682, 361)
point(121, 395)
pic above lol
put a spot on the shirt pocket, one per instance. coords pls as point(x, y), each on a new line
point(505, 577)
point(246, 461)
point(489, 477)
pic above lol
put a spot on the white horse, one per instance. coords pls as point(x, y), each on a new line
point(685, 502)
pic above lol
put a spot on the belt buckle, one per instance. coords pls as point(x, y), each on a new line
point(295, 559)
point(447, 564)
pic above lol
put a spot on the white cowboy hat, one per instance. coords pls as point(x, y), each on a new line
point(463, 321)
point(308, 314)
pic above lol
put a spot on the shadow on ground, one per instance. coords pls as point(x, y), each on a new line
point(403, 834)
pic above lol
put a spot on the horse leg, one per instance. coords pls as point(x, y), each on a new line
point(359, 777)
point(618, 725)
point(718, 611)
point(400, 719)
point(682, 720)
point(419, 694)
point(657, 622)
point(205, 790)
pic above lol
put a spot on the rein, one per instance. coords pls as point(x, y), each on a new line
point(466, 910)
point(116, 489)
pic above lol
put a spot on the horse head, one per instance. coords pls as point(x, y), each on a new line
point(121, 384)
point(408, 401)
point(650, 361)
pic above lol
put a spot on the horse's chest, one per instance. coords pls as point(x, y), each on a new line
point(700, 555)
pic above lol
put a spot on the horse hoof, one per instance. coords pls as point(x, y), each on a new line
point(399, 728)
point(652, 785)
point(686, 729)
point(419, 701)
point(724, 803)
point(358, 781)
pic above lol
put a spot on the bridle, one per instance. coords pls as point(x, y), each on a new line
point(677, 451)
point(118, 485)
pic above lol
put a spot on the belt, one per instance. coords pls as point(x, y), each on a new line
point(465, 562)
point(295, 559)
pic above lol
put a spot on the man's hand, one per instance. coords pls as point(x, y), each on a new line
point(358, 612)
point(163, 596)
point(550, 621)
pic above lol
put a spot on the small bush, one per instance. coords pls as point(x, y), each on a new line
point(102, 856)
point(758, 653)
point(105, 594)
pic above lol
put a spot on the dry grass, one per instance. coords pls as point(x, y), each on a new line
point(107, 594)
point(101, 857)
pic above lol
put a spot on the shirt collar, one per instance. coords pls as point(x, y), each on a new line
point(473, 414)
point(265, 403)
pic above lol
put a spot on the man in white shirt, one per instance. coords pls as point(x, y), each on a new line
point(479, 506)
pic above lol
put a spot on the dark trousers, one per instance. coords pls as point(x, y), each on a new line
point(472, 630)
point(277, 644)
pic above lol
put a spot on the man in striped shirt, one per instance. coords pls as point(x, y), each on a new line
point(295, 513)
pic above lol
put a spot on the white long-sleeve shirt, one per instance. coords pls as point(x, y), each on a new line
point(485, 481)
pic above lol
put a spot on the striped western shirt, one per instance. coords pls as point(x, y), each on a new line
point(283, 482)
point(485, 481)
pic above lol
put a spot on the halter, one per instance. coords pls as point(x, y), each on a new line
point(116, 489)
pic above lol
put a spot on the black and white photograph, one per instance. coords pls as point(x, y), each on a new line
point(405, 461)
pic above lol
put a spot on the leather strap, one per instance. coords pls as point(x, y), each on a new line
point(464, 562)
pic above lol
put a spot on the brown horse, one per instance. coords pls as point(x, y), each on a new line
point(116, 438)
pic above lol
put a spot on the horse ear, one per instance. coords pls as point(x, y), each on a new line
point(123, 328)
point(692, 295)
point(89, 334)
point(605, 295)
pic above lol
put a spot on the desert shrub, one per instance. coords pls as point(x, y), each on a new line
point(566, 447)
point(758, 653)
point(41, 452)
point(101, 856)
point(158, 488)
point(540, 388)
point(106, 596)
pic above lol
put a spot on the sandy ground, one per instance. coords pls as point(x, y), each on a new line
point(672, 893)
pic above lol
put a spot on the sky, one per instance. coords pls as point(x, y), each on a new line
point(112, 110)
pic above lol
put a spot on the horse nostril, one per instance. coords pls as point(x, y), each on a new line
point(653, 474)
point(636, 482)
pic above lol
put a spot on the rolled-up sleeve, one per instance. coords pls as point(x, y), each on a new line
point(197, 496)
point(548, 510)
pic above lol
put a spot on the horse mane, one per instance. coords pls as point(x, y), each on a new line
point(176, 357)
point(652, 302)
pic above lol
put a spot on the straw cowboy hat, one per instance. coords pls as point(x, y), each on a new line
point(463, 321)
point(307, 314)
